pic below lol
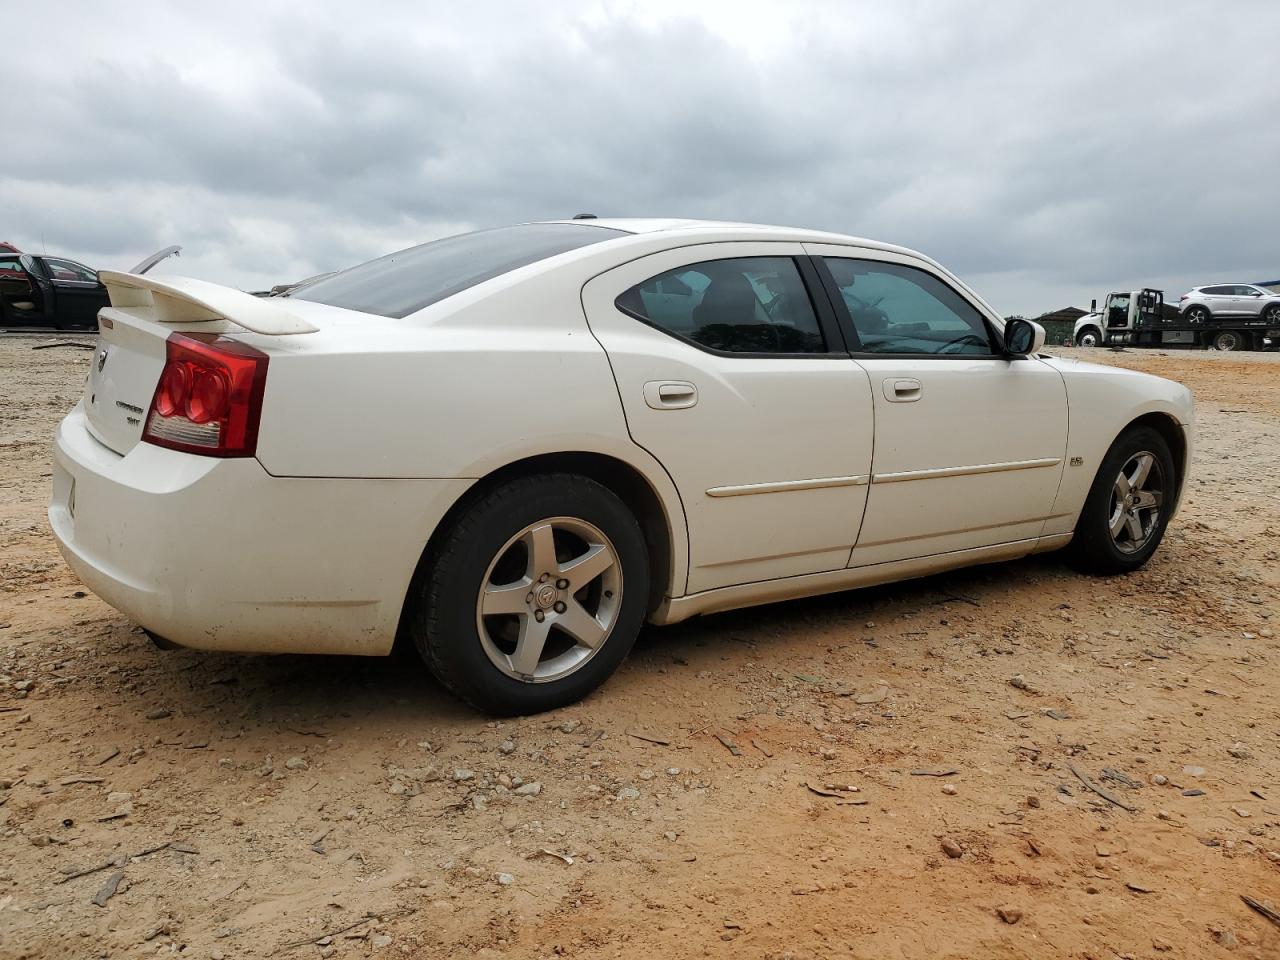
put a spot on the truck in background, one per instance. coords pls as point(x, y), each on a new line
point(1141, 318)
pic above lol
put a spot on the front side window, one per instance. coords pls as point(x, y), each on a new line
point(60, 269)
point(739, 305)
point(403, 283)
point(903, 310)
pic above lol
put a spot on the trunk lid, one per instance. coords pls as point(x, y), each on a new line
point(123, 373)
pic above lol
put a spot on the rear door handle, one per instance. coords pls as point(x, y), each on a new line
point(902, 390)
point(670, 394)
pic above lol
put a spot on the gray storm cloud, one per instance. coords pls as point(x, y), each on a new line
point(1048, 154)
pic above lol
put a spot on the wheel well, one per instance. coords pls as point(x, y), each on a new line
point(1170, 429)
point(620, 477)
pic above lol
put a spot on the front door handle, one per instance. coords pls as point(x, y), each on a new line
point(670, 394)
point(902, 390)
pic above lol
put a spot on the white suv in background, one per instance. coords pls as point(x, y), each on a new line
point(1222, 301)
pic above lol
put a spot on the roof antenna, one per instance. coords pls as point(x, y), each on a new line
point(585, 216)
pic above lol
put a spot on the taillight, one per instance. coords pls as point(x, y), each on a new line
point(209, 397)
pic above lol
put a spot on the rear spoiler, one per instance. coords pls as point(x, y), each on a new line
point(184, 300)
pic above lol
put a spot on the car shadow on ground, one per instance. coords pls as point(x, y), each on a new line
point(854, 609)
point(213, 696)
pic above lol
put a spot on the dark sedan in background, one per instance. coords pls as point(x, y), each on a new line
point(38, 291)
point(54, 292)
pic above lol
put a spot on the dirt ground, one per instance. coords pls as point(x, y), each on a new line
point(303, 807)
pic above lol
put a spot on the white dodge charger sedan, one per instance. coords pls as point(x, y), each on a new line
point(512, 447)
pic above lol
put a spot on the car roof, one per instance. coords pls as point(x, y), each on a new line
point(688, 232)
point(733, 230)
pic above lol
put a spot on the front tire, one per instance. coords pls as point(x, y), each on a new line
point(1272, 314)
point(534, 596)
point(1090, 337)
point(1127, 510)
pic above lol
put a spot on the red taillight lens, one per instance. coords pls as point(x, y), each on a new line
point(208, 400)
point(171, 394)
point(209, 397)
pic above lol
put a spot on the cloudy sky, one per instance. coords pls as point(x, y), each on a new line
point(1046, 152)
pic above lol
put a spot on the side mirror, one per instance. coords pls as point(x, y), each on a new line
point(1023, 337)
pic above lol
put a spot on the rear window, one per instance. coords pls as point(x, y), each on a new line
point(401, 283)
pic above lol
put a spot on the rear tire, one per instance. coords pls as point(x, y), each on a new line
point(1123, 520)
point(1197, 314)
point(502, 619)
point(1228, 340)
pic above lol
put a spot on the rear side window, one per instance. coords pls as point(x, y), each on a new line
point(739, 305)
point(402, 283)
point(1216, 291)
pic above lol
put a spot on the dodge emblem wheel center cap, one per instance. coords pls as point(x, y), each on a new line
point(545, 596)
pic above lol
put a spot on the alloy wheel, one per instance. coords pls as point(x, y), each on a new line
point(549, 599)
point(1136, 498)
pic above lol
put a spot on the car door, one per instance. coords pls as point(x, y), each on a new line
point(969, 443)
point(737, 380)
point(1219, 300)
point(1233, 303)
point(1249, 301)
point(77, 293)
point(21, 301)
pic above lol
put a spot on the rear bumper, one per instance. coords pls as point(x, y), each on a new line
point(220, 555)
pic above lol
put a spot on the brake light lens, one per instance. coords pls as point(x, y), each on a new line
point(209, 397)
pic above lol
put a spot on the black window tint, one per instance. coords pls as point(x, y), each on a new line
point(742, 305)
point(401, 283)
point(1216, 291)
point(897, 309)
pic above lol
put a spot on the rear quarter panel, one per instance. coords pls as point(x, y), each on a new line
point(452, 395)
point(454, 392)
